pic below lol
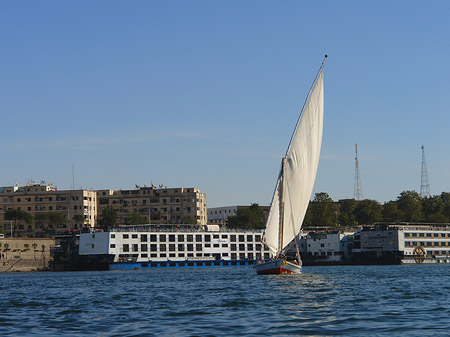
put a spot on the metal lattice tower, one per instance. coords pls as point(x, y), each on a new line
point(357, 191)
point(424, 184)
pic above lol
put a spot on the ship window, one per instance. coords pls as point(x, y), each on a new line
point(135, 248)
point(153, 248)
point(249, 246)
point(144, 255)
point(162, 238)
point(163, 255)
point(144, 247)
point(225, 245)
point(198, 254)
point(162, 248)
point(153, 237)
point(190, 247)
point(113, 236)
point(241, 247)
point(134, 236)
point(190, 238)
point(250, 256)
point(172, 247)
point(258, 238)
point(190, 255)
point(143, 237)
point(215, 236)
point(421, 235)
point(126, 236)
point(224, 236)
point(153, 255)
point(241, 238)
point(207, 245)
point(233, 256)
point(216, 245)
point(172, 255)
point(181, 255)
point(233, 247)
point(172, 238)
point(199, 248)
point(112, 245)
point(126, 248)
point(414, 235)
point(225, 254)
point(92, 246)
point(180, 238)
point(207, 238)
point(249, 238)
point(198, 238)
point(241, 256)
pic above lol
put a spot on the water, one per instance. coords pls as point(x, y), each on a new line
point(322, 301)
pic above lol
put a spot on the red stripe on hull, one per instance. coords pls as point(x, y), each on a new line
point(275, 271)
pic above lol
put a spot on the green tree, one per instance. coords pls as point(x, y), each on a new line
point(367, 212)
point(445, 197)
point(18, 217)
point(188, 219)
point(251, 218)
point(347, 212)
point(79, 220)
point(390, 212)
point(49, 220)
point(409, 204)
point(324, 210)
point(135, 219)
point(432, 208)
point(108, 218)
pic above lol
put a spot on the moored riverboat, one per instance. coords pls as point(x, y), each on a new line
point(158, 246)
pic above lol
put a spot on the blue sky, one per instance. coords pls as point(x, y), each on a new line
point(206, 93)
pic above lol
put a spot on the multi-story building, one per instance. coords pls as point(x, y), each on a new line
point(163, 205)
point(39, 199)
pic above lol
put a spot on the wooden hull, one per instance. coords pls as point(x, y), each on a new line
point(277, 267)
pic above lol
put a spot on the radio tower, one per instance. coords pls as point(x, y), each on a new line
point(424, 184)
point(357, 192)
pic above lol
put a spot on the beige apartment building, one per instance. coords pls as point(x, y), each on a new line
point(162, 205)
point(44, 198)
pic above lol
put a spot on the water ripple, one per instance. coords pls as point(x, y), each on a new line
point(323, 301)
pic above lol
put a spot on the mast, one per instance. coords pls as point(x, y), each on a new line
point(281, 222)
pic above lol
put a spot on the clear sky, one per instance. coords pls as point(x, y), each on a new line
point(206, 93)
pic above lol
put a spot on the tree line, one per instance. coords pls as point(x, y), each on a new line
point(408, 207)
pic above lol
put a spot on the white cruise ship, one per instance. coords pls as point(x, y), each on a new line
point(152, 246)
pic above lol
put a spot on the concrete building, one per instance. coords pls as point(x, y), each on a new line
point(219, 215)
point(43, 199)
point(163, 205)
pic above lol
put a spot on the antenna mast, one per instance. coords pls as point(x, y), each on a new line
point(357, 191)
point(424, 184)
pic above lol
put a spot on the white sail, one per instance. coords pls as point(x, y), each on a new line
point(302, 160)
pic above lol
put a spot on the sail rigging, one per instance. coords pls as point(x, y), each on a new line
point(298, 172)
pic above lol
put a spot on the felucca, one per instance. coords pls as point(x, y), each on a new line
point(294, 184)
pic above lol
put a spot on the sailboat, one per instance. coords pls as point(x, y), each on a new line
point(294, 185)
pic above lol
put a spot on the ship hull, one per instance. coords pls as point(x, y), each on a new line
point(277, 267)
